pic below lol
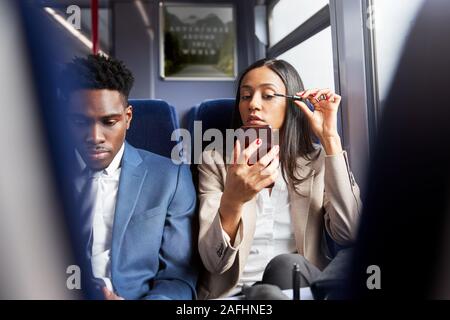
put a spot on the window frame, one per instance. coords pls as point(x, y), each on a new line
point(355, 79)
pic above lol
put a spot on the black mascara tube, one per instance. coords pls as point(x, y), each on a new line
point(296, 282)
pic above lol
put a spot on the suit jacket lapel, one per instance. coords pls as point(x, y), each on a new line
point(132, 177)
point(300, 203)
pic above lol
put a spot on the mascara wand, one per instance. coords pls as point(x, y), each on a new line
point(288, 96)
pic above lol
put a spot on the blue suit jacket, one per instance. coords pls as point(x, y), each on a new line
point(152, 253)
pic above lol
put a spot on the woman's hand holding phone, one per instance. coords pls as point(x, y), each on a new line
point(244, 181)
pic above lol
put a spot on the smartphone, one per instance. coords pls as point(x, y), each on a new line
point(253, 132)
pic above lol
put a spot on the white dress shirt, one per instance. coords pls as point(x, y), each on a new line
point(274, 234)
point(104, 195)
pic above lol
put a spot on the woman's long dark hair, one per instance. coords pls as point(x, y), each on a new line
point(296, 138)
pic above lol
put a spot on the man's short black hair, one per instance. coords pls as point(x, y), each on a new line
point(98, 72)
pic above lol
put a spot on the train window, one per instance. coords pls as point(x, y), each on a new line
point(308, 44)
point(104, 26)
point(286, 15)
point(319, 72)
point(65, 16)
point(392, 21)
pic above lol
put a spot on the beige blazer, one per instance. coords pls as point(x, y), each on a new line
point(329, 198)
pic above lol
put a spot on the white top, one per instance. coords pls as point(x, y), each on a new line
point(305, 293)
point(274, 234)
point(104, 189)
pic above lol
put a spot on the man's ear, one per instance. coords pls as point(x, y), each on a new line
point(129, 115)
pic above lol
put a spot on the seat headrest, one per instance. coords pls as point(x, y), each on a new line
point(152, 126)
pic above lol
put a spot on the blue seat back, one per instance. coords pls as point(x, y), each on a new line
point(215, 114)
point(152, 126)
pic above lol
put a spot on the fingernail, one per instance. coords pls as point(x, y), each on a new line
point(258, 141)
point(277, 148)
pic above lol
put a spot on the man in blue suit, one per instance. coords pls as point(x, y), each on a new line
point(137, 206)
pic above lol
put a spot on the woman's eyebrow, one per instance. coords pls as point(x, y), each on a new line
point(268, 84)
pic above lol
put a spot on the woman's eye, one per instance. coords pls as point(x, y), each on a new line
point(246, 97)
point(268, 96)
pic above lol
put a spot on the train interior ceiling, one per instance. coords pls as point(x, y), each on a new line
point(319, 42)
point(350, 46)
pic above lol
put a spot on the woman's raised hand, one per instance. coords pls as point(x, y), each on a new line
point(323, 119)
point(244, 181)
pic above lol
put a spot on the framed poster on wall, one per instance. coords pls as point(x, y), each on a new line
point(197, 41)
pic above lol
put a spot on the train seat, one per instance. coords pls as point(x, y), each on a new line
point(152, 126)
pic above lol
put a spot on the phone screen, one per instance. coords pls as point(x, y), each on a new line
point(250, 134)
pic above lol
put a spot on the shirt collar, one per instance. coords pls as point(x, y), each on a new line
point(113, 166)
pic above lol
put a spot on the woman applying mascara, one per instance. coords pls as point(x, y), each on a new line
point(243, 224)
